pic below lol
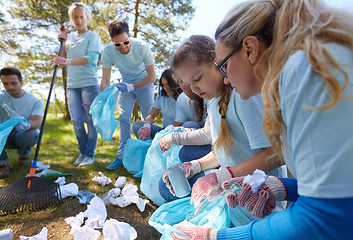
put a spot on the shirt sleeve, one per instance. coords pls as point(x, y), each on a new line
point(198, 137)
point(147, 53)
point(251, 114)
point(107, 60)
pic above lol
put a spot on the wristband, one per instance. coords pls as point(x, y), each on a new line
point(230, 171)
point(68, 62)
point(200, 165)
point(147, 125)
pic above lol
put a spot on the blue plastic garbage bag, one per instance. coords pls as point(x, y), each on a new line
point(135, 152)
point(102, 111)
point(155, 165)
point(6, 128)
point(215, 215)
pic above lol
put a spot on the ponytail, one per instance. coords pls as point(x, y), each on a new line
point(224, 139)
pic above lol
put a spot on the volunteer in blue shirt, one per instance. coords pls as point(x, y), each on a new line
point(299, 55)
point(165, 102)
point(80, 54)
point(133, 58)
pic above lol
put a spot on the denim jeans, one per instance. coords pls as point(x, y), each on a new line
point(126, 103)
point(139, 124)
point(192, 124)
point(22, 141)
point(79, 101)
point(186, 154)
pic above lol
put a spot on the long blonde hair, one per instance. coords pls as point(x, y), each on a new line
point(287, 26)
point(197, 50)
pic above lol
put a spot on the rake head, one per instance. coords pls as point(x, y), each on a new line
point(41, 194)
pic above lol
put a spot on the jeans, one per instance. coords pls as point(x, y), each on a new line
point(186, 154)
point(22, 141)
point(139, 124)
point(126, 103)
point(79, 101)
point(192, 124)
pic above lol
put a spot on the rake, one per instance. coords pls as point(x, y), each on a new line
point(32, 193)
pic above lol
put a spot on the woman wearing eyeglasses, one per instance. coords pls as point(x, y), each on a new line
point(303, 65)
point(135, 62)
point(80, 55)
point(239, 144)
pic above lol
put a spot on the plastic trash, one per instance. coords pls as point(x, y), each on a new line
point(180, 212)
point(102, 111)
point(178, 180)
point(85, 196)
point(135, 151)
point(6, 128)
point(155, 165)
point(11, 113)
point(6, 234)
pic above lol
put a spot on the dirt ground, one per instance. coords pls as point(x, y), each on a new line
point(31, 223)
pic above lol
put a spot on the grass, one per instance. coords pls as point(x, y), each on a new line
point(59, 149)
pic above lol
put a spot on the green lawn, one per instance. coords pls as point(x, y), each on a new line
point(59, 149)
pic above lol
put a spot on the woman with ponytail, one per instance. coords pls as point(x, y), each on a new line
point(299, 54)
point(239, 144)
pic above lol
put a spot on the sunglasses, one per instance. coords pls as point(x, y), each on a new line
point(119, 44)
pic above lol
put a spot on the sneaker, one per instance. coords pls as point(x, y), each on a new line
point(79, 159)
point(117, 163)
point(4, 171)
point(24, 160)
point(87, 161)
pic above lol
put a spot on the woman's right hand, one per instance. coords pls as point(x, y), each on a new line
point(165, 142)
point(62, 35)
point(189, 169)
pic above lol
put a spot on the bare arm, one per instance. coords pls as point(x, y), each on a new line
point(35, 122)
point(150, 78)
point(258, 161)
point(105, 79)
point(150, 118)
point(209, 161)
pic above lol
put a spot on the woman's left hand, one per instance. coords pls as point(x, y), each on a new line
point(209, 185)
point(195, 233)
point(59, 61)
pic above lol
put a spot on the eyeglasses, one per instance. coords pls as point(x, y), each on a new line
point(119, 44)
point(222, 66)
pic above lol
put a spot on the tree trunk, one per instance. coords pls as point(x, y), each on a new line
point(67, 113)
point(135, 114)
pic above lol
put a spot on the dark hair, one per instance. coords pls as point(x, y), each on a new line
point(173, 85)
point(11, 71)
point(118, 27)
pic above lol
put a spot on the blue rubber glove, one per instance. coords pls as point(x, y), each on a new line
point(23, 126)
point(125, 87)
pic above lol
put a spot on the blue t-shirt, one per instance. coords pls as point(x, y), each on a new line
point(26, 106)
point(132, 66)
point(318, 150)
point(318, 144)
point(185, 110)
point(244, 118)
point(167, 106)
point(77, 46)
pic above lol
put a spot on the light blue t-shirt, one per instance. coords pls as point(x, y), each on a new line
point(244, 118)
point(322, 166)
point(77, 46)
point(185, 110)
point(26, 106)
point(132, 66)
point(167, 106)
